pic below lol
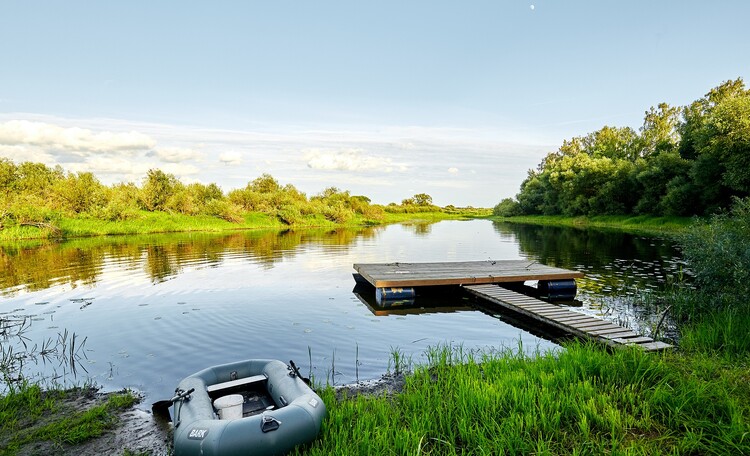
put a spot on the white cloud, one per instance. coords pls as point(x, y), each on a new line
point(71, 139)
point(131, 170)
point(453, 170)
point(230, 158)
point(350, 160)
point(176, 154)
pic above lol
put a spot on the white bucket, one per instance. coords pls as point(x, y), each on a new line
point(229, 407)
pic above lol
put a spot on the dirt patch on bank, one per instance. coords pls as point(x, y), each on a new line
point(133, 432)
point(137, 431)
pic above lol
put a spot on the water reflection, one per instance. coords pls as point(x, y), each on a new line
point(80, 262)
point(157, 308)
point(618, 266)
point(427, 302)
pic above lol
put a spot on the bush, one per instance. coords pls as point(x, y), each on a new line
point(224, 210)
point(290, 215)
point(338, 214)
point(508, 207)
point(718, 253)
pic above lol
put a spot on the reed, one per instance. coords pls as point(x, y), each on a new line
point(584, 400)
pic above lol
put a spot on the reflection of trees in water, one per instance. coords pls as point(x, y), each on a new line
point(420, 228)
point(79, 262)
point(46, 265)
point(612, 260)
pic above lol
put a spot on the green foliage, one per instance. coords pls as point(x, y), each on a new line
point(684, 161)
point(508, 207)
point(33, 195)
point(158, 188)
point(718, 253)
point(80, 193)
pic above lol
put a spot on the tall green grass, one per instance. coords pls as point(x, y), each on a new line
point(584, 400)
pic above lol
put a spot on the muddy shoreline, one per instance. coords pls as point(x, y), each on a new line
point(141, 432)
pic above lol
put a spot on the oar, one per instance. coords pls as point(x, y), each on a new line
point(296, 371)
point(161, 408)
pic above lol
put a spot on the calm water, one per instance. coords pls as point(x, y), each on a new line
point(154, 309)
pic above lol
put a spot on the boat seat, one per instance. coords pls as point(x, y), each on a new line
point(234, 383)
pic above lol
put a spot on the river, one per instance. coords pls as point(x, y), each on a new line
point(147, 311)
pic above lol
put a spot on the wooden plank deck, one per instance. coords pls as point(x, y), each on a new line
point(567, 320)
point(382, 275)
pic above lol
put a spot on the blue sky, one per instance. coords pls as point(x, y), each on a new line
point(385, 99)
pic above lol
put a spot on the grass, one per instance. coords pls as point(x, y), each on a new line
point(162, 222)
point(584, 400)
point(628, 223)
point(30, 415)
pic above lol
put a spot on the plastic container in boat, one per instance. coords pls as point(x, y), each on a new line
point(229, 407)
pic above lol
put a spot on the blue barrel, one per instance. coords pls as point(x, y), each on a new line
point(558, 289)
point(393, 294)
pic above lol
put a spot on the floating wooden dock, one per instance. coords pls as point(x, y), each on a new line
point(576, 323)
point(483, 279)
point(459, 273)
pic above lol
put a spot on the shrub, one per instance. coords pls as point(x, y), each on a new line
point(290, 215)
point(508, 207)
point(224, 210)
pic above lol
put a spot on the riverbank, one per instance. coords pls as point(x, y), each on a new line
point(644, 224)
point(583, 399)
point(78, 421)
point(163, 222)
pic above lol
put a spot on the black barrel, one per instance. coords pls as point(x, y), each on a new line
point(557, 289)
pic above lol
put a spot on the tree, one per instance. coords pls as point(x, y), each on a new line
point(694, 115)
point(508, 207)
point(422, 199)
point(80, 192)
point(265, 184)
point(158, 187)
point(659, 132)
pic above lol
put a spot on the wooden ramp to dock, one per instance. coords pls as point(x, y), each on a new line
point(567, 320)
point(382, 275)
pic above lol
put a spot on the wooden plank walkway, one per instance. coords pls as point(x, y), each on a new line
point(382, 275)
point(567, 320)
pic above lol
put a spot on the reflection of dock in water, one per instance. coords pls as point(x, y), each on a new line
point(411, 306)
point(395, 286)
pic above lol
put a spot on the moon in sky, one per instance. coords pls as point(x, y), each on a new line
point(532, 7)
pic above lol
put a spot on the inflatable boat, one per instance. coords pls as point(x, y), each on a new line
point(253, 407)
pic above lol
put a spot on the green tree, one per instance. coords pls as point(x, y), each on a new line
point(265, 184)
point(80, 192)
point(507, 207)
point(659, 132)
point(8, 175)
point(157, 188)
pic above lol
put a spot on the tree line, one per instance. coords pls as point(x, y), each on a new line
point(36, 194)
point(683, 161)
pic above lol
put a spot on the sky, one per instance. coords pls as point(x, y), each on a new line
point(383, 98)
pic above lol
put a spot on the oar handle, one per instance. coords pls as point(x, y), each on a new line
point(296, 371)
point(182, 394)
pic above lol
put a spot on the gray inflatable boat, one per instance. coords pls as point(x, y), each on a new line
point(253, 407)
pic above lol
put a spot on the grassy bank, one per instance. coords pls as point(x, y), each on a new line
point(628, 223)
point(52, 421)
point(584, 400)
point(148, 222)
